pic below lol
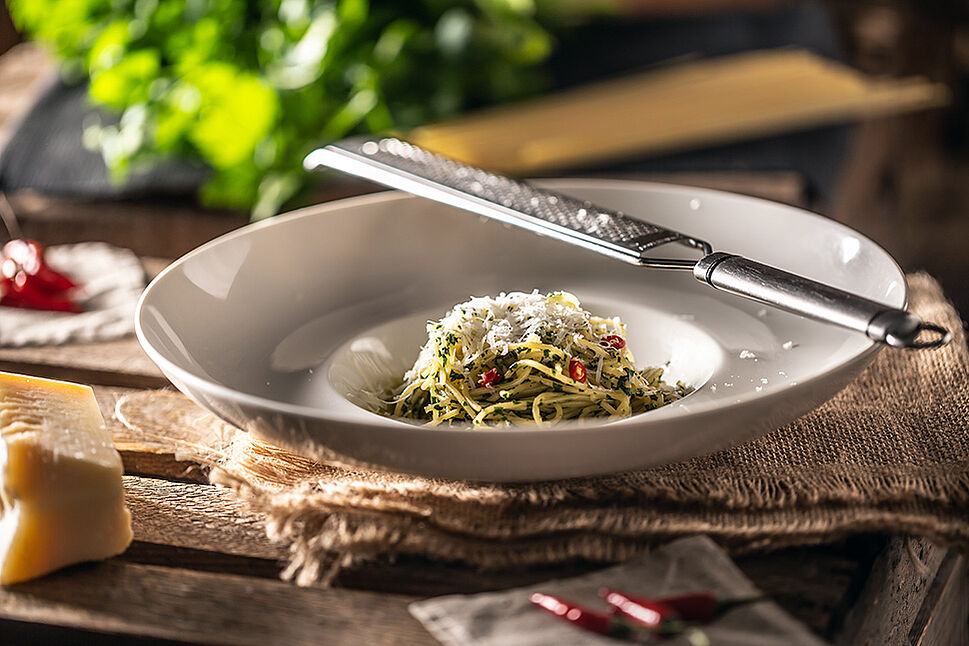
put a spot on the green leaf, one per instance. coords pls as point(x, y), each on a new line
point(248, 87)
point(392, 40)
point(352, 113)
point(237, 110)
point(109, 47)
point(453, 31)
point(176, 115)
point(274, 190)
point(126, 82)
point(235, 187)
point(353, 11)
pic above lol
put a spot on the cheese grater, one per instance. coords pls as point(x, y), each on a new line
point(402, 165)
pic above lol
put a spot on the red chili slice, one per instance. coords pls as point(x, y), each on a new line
point(577, 370)
point(614, 341)
point(490, 378)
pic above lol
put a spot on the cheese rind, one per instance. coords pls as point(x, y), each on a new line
point(61, 494)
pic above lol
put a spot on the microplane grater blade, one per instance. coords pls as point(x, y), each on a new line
point(402, 165)
point(577, 221)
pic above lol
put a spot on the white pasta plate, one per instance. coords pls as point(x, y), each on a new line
point(281, 326)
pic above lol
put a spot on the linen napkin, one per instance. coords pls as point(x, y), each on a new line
point(112, 280)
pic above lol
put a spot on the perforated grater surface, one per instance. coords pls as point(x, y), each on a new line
point(404, 166)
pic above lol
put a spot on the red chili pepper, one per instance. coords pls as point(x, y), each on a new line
point(699, 607)
point(490, 378)
point(29, 256)
point(25, 291)
point(651, 614)
point(601, 624)
point(613, 341)
point(577, 370)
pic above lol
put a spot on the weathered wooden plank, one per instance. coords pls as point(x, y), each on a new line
point(907, 596)
point(208, 561)
point(206, 608)
point(159, 464)
point(810, 580)
point(211, 531)
point(807, 582)
point(168, 228)
point(409, 575)
point(107, 363)
point(202, 517)
point(142, 458)
point(943, 617)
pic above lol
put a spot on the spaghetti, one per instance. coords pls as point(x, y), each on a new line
point(527, 359)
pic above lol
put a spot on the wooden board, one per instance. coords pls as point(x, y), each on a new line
point(201, 517)
point(107, 363)
point(208, 608)
point(917, 594)
point(198, 532)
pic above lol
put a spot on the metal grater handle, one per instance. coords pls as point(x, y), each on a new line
point(404, 166)
point(790, 292)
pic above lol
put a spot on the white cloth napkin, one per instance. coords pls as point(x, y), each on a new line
point(112, 280)
point(685, 565)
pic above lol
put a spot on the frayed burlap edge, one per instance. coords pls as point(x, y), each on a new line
point(323, 540)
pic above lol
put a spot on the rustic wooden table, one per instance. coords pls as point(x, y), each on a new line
point(201, 569)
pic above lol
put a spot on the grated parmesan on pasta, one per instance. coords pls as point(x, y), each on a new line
point(527, 358)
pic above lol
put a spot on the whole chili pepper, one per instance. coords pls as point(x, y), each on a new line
point(599, 623)
point(699, 607)
point(651, 614)
point(577, 370)
point(29, 256)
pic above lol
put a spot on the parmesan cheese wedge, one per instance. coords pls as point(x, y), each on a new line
point(61, 497)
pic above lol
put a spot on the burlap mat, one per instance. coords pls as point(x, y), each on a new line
point(889, 453)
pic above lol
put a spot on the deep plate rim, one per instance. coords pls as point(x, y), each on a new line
point(179, 374)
